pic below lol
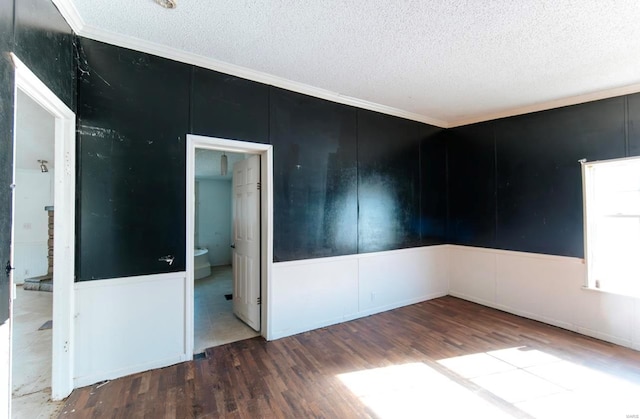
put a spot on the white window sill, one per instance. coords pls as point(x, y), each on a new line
point(609, 291)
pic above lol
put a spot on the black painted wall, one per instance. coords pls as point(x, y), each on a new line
point(388, 182)
point(41, 38)
point(433, 186)
point(133, 116)
point(44, 42)
point(224, 106)
point(335, 166)
point(633, 123)
point(472, 184)
point(516, 183)
point(346, 180)
point(315, 177)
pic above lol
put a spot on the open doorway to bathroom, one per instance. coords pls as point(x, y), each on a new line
point(214, 320)
point(220, 177)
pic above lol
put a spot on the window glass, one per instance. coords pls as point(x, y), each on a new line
point(612, 197)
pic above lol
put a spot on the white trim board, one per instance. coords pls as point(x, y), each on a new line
point(64, 225)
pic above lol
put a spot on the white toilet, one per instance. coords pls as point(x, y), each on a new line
point(202, 267)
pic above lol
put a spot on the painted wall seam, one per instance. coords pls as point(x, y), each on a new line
point(626, 126)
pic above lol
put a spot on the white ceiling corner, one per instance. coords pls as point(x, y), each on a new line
point(442, 62)
point(71, 15)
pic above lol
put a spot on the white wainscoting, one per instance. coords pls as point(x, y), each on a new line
point(313, 293)
point(5, 369)
point(544, 288)
point(127, 325)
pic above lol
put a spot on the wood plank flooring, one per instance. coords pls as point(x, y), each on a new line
point(441, 358)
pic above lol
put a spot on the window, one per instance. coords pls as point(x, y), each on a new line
point(612, 224)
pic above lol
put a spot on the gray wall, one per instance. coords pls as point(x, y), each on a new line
point(214, 219)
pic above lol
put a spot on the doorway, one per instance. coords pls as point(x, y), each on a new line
point(39, 106)
point(33, 172)
point(216, 321)
point(227, 300)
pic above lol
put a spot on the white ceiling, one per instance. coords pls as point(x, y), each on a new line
point(443, 62)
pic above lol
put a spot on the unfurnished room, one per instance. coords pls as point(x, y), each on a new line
point(319, 209)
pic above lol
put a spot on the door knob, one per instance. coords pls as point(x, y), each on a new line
point(169, 259)
point(233, 246)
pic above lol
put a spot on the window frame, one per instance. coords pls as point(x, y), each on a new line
point(588, 200)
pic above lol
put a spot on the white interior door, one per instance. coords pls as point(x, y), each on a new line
point(246, 245)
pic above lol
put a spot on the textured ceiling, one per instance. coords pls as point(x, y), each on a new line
point(448, 61)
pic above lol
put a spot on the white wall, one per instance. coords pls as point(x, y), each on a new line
point(35, 134)
point(35, 139)
point(127, 325)
point(313, 293)
point(34, 191)
point(544, 288)
point(5, 369)
point(214, 219)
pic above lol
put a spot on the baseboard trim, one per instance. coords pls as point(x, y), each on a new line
point(550, 321)
point(361, 314)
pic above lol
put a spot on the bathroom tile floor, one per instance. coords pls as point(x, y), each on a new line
point(31, 359)
point(214, 321)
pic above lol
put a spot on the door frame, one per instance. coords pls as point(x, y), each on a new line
point(64, 224)
point(265, 151)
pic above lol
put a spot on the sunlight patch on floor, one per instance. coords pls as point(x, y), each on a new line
point(545, 386)
point(521, 380)
point(416, 390)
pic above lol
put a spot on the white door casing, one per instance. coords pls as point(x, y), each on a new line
point(246, 237)
point(265, 151)
point(64, 222)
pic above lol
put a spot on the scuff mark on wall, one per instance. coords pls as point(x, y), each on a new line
point(99, 132)
point(102, 78)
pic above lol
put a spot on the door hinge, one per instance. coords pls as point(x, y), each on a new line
point(258, 300)
point(258, 185)
point(8, 268)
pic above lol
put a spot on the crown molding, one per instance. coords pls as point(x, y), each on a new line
point(73, 18)
point(552, 104)
point(175, 54)
point(69, 12)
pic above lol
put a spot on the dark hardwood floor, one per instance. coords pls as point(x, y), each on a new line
point(441, 358)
